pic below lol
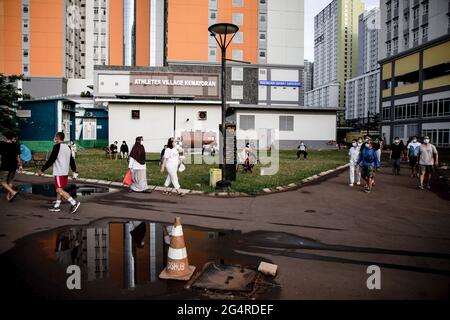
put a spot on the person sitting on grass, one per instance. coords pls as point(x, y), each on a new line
point(301, 150)
point(113, 151)
point(10, 157)
point(124, 150)
point(369, 162)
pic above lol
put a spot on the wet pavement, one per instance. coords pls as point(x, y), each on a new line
point(322, 236)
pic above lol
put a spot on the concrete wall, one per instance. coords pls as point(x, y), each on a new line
point(156, 123)
point(39, 87)
point(315, 128)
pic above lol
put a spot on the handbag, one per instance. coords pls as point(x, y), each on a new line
point(127, 180)
point(182, 167)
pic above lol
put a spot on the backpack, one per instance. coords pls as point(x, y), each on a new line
point(411, 150)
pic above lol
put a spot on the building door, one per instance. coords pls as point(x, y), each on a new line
point(89, 129)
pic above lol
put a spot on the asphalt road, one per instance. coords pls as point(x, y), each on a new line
point(327, 233)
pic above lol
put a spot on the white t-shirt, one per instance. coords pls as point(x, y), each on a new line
point(172, 156)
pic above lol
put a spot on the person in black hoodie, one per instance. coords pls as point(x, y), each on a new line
point(124, 150)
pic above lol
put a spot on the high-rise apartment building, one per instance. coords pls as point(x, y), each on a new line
point(56, 41)
point(415, 83)
point(335, 52)
point(362, 92)
point(308, 75)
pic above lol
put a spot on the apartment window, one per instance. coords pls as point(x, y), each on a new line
point(25, 68)
point(239, 37)
point(395, 44)
point(425, 7)
point(237, 18)
point(386, 113)
point(25, 53)
point(247, 122)
point(425, 31)
point(238, 3)
point(25, 38)
point(406, 111)
point(262, 36)
point(25, 9)
point(388, 47)
point(25, 24)
point(262, 54)
point(262, 18)
point(237, 92)
point(213, 15)
point(286, 123)
point(395, 23)
point(436, 108)
point(395, 4)
point(238, 54)
point(399, 131)
point(416, 35)
point(388, 27)
point(416, 13)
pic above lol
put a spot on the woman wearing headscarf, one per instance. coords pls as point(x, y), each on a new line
point(138, 167)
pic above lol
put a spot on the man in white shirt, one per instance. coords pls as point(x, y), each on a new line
point(61, 159)
point(428, 158)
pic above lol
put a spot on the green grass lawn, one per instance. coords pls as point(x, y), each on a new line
point(91, 163)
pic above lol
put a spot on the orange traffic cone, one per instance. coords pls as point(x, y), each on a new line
point(178, 267)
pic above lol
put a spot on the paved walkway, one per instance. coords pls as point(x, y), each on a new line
point(398, 227)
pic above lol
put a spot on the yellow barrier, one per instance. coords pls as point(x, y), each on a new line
point(214, 176)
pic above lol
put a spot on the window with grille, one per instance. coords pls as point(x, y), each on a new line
point(286, 123)
point(247, 122)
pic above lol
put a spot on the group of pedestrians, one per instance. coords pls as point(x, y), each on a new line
point(365, 160)
point(170, 161)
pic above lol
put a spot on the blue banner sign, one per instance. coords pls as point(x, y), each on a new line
point(280, 83)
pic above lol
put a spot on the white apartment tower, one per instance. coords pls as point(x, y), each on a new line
point(335, 52)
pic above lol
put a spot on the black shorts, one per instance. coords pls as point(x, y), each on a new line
point(368, 172)
point(7, 176)
point(426, 168)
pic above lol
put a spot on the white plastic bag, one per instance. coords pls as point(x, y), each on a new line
point(182, 167)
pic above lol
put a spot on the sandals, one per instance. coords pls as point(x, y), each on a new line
point(14, 196)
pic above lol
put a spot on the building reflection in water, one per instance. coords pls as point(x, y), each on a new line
point(128, 254)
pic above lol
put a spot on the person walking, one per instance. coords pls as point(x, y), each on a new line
point(355, 171)
point(411, 155)
point(395, 156)
point(138, 167)
point(170, 163)
point(369, 162)
point(301, 150)
point(124, 150)
point(428, 158)
point(61, 159)
point(10, 161)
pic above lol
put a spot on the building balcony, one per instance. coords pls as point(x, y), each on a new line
point(386, 93)
point(409, 88)
point(436, 82)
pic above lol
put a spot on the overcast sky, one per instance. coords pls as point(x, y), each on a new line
point(313, 7)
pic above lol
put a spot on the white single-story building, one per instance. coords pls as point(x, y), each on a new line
point(160, 103)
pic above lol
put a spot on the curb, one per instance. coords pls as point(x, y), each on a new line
point(219, 194)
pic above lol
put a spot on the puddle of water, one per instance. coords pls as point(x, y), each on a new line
point(118, 259)
point(75, 190)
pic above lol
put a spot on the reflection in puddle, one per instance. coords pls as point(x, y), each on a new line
point(48, 190)
point(118, 259)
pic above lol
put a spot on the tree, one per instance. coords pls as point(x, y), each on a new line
point(9, 94)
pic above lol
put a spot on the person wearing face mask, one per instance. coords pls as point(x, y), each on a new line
point(138, 167)
point(353, 154)
point(369, 162)
point(428, 158)
point(395, 156)
point(411, 156)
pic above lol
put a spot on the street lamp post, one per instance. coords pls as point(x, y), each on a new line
point(223, 33)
